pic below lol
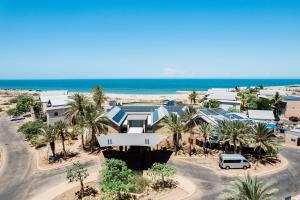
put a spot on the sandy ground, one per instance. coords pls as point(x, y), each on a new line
point(71, 146)
point(176, 193)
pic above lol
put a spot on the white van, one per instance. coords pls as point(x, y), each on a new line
point(233, 161)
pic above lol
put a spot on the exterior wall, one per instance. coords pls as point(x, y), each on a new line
point(226, 106)
point(292, 109)
point(44, 107)
point(112, 128)
point(291, 139)
point(51, 118)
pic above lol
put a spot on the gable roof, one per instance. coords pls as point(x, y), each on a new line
point(58, 101)
point(118, 114)
point(261, 114)
point(230, 96)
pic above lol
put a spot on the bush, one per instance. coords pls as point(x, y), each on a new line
point(24, 103)
point(13, 112)
point(161, 172)
point(32, 130)
point(117, 180)
point(212, 104)
point(234, 110)
point(1, 109)
point(294, 119)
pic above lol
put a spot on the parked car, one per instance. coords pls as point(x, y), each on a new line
point(233, 161)
point(16, 118)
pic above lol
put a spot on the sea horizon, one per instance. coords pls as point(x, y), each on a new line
point(141, 86)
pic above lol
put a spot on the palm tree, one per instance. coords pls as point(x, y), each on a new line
point(205, 130)
point(60, 129)
point(235, 132)
point(189, 118)
point(175, 125)
point(94, 123)
point(244, 101)
point(99, 97)
point(193, 97)
point(50, 136)
point(263, 139)
point(75, 111)
point(276, 100)
point(248, 188)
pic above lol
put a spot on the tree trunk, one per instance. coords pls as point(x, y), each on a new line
point(163, 180)
point(234, 145)
point(93, 141)
point(63, 144)
point(259, 155)
point(82, 141)
point(204, 147)
point(81, 189)
point(175, 142)
point(191, 142)
point(52, 147)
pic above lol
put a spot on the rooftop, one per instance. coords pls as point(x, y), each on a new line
point(261, 114)
point(155, 113)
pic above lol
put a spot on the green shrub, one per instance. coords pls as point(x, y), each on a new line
point(212, 103)
point(13, 112)
point(161, 172)
point(234, 110)
point(32, 130)
point(24, 103)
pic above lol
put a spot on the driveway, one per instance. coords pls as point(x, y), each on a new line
point(20, 179)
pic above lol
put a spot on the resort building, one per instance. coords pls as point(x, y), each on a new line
point(227, 99)
point(47, 95)
point(292, 137)
point(55, 104)
point(261, 115)
point(135, 125)
point(215, 115)
point(271, 93)
point(290, 106)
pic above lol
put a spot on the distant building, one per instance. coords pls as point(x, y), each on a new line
point(292, 137)
point(55, 104)
point(227, 99)
point(291, 106)
point(261, 115)
point(271, 93)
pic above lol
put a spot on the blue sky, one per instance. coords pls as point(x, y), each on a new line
point(149, 38)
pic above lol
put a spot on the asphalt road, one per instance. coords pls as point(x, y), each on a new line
point(17, 170)
point(19, 177)
point(20, 180)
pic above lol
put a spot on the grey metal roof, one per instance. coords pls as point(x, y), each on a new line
point(291, 98)
point(118, 114)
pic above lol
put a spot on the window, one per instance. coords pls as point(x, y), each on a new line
point(109, 141)
point(147, 141)
point(56, 114)
point(245, 161)
point(232, 161)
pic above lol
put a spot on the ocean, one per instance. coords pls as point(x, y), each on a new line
point(140, 86)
